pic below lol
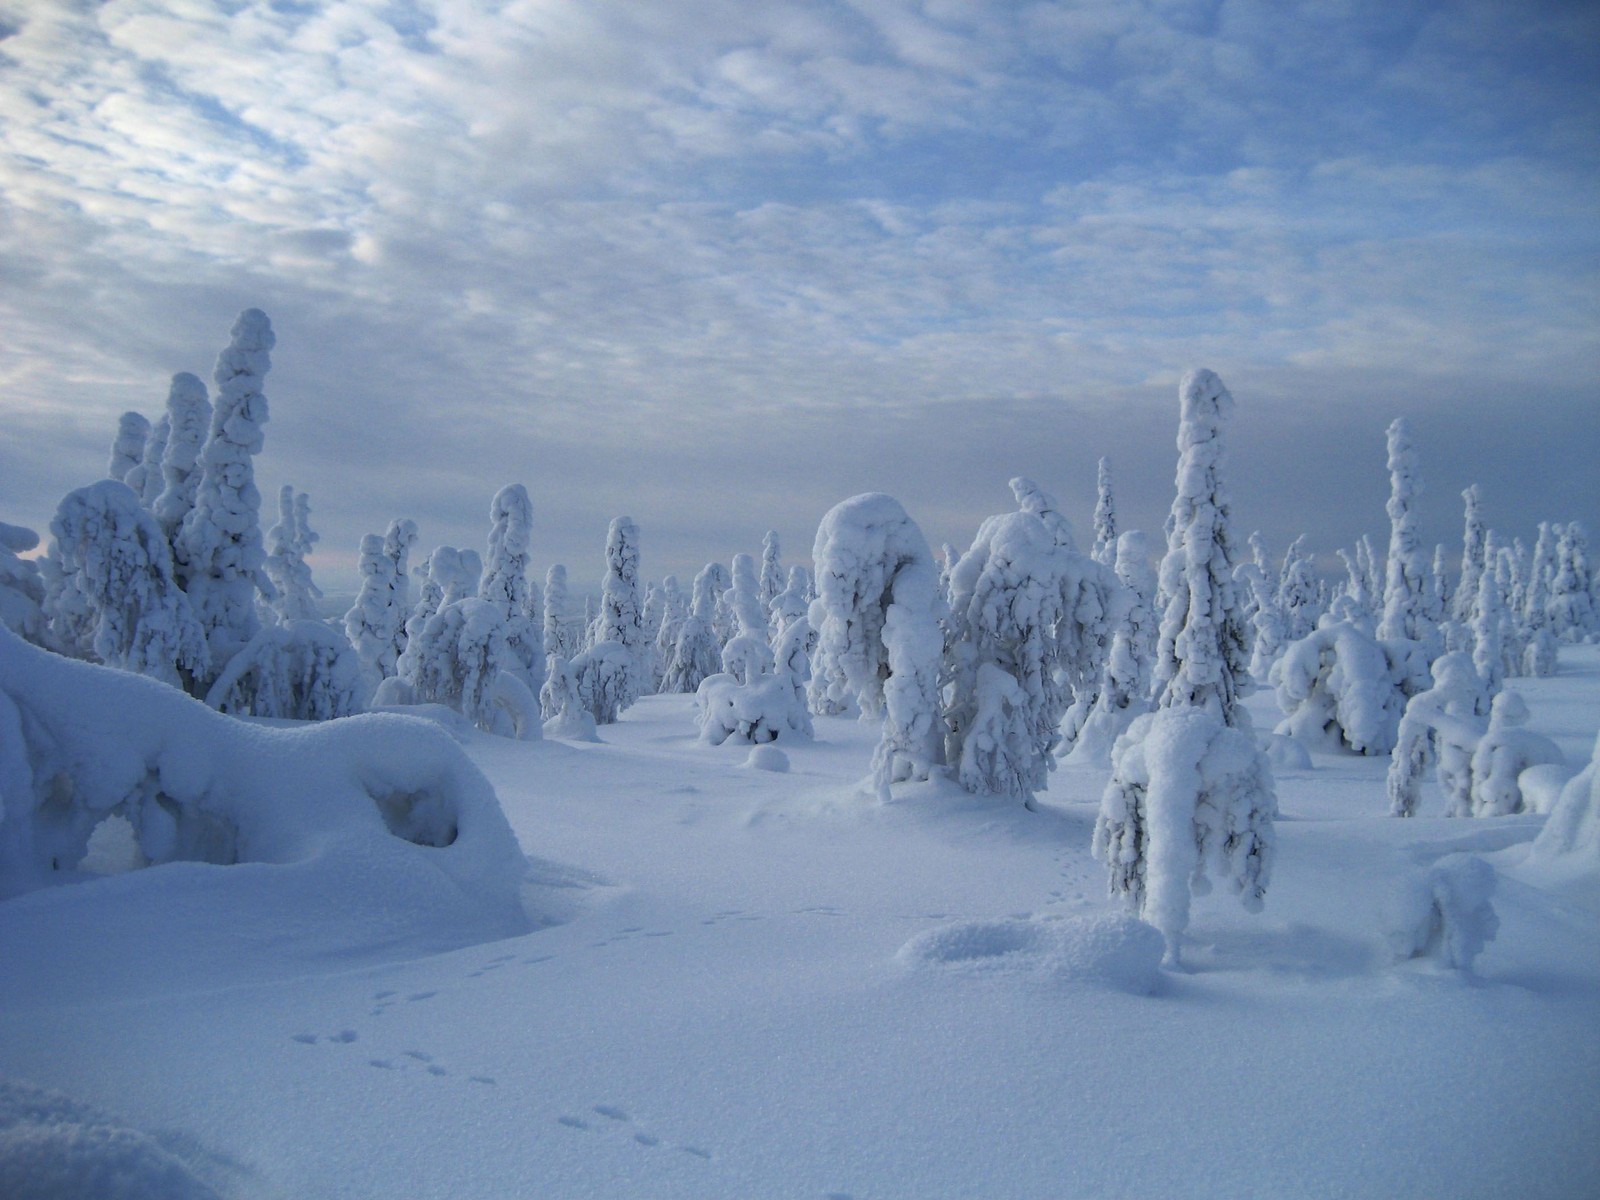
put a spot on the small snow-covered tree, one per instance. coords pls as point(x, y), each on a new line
point(1446, 914)
point(1105, 517)
point(1298, 594)
point(789, 605)
point(674, 612)
point(188, 423)
point(772, 575)
point(758, 697)
point(879, 638)
point(562, 707)
point(1571, 607)
point(1441, 724)
point(1488, 626)
point(505, 581)
point(558, 632)
point(21, 586)
point(1504, 752)
point(606, 677)
point(1190, 793)
point(218, 550)
point(288, 544)
point(464, 658)
point(299, 670)
point(1341, 688)
point(375, 622)
point(1474, 543)
point(122, 567)
point(744, 600)
point(620, 619)
point(1540, 654)
point(144, 477)
point(127, 448)
point(697, 652)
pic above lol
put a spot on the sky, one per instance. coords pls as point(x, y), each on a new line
point(720, 264)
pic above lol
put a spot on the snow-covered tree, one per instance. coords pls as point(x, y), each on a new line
point(1488, 625)
point(758, 697)
point(1190, 794)
point(1031, 498)
point(606, 677)
point(1447, 913)
point(1474, 543)
point(791, 604)
point(1298, 593)
point(744, 600)
point(121, 565)
point(697, 652)
point(1441, 724)
point(674, 612)
point(376, 622)
point(879, 638)
point(1540, 655)
point(505, 581)
point(1105, 517)
point(1571, 605)
point(144, 477)
point(127, 448)
point(1441, 593)
point(772, 574)
point(1406, 584)
point(188, 423)
point(1506, 750)
point(21, 586)
point(299, 670)
point(558, 632)
point(562, 707)
point(288, 544)
point(620, 618)
point(464, 658)
point(1341, 688)
point(218, 550)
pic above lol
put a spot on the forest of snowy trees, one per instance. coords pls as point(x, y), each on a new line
point(987, 666)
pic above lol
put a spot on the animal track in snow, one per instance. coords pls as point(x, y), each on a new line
point(619, 1118)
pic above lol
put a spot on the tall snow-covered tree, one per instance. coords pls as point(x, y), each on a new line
point(371, 621)
point(558, 633)
point(1474, 544)
point(1105, 517)
point(289, 542)
point(1571, 605)
point(122, 566)
point(879, 638)
point(1298, 594)
point(1406, 585)
point(144, 477)
point(127, 449)
point(1190, 793)
point(218, 550)
point(188, 423)
point(744, 599)
point(505, 580)
point(697, 653)
point(1488, 628)
point(772, 574)
point(611, 672)
point(674, 612)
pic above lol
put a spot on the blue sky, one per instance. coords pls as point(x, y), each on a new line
point(719, 265)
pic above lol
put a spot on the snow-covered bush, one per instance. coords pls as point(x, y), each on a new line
point(758, 697)
point(121, 568)
point(301, 670)
point(1445, 914)
point(288, 544)
point(218, 550)
point(465, 660)
point(1341, 688)
point(379, 811)
point(1442, 723)
point(877, 617)
point(21, 585)
point(606, 676)
point(562, 707)
point(1503, 753)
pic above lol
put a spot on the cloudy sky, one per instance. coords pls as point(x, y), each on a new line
point(721, 263)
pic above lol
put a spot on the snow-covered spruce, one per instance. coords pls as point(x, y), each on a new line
point(218, 550)
point(373, 622)
point(1298, 595)
point(386, 800)
point(463, 658)
point(611, 673)
point(1443, 725)
point(21, 585)
point(565, 715)
point(1571, 606)
point(1039, 614)
point(877, 615)
point(772, 574)
point(1190, 793)
point(1505, 751)
point(559, 636)
point(606, 676)
point(505, 583)
point(1489, 620)
point(188, 422)
point(121, 567)
point(758, 697)
point(674, 612)
point(288, 544)
point(744, 600)
point(1539, 653)
point(127, 448)
point(1474, 545)
point(790, 604)
point(300, 670)
point(697, 653)
point(1105, 517)
point(144, 477)
point(1445, 914)
point(1340, 688)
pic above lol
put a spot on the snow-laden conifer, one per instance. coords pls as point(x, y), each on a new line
point(1341, 688)
point(620, 620)
point(376, 622)
point(1298, 593)
point(299, 670)
point(1190, 794)
point(144, 477)
point(1105, 517)
point(1441, 724)
point(697, 652)
point(789, 605)
point(562, 707)
point(674, 612)
point(879, 638)
point(289, 542)
point(1571, 605)
point(122, 567)
point(1474, 543)
point(1488, 625)
point(505, 582)
point(464, 658)
point(1540, 653)
point(772, 573)
point(21, 585)
point(188, 424)
point(558, 632)
point(744, 600)
point(127, 448)
point(219, 550)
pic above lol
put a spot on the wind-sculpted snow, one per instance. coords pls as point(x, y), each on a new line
point(376, 814)
point(1108, 950)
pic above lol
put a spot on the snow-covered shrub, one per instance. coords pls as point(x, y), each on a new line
point(458, 661)
point(121, 568)
point(218, 550)
point(1341, 688)
point(1445, 914)
point(1572, 833)
point(21, 585)
point(188, 422)
point(562, 707)
point(1189, 798)
point(379, 810)
point(127, 449)
point(607, 676)
point(1503, 753)
point(288, 544)
point(758, 697)
point(301, 670)
point(879, 638)
point(1442, 723)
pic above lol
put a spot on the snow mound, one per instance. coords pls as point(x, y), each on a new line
point(767, 757)
point(1446, 914)
point(54, 1148)
point(1110, 950)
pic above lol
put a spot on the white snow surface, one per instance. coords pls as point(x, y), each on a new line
point(765, 984)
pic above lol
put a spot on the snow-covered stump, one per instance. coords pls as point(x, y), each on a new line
point(877, 615)
point(1189, 798)
point(379, 813)
point(1445, 914)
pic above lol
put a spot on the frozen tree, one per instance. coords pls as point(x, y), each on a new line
point(288, 544)
point(1440, 592)
point(376, 621)
point(1123, 697)
point(127, 449)
point(218, 549)
point(505, 581)
point(299, 670)
point(1488, 623)
point(649, 627)
point(21, 586)
point(1441, 724)
point(879, 638)
point(1031, 498)
point(464, 658)
point(772, 575)
point(1105, 517)
point(1139, 577)
point(1041, 615)
point(1504, 752)
point(697, 652)
point(1540, 654)
point(1353, 603)
point(1474, 543)
point(188, 422)
point(606, 677)
point(674, 612)
point(1190, 794)
point(759, 697)
point(558, 637)
point(145, 476)
point(744, 601)
point(562, 707)
point(1341, 688)
point(789, 605)
point(1571, 607)
point(1298, 594)
point(1267, 623)
point(122, 567)
point(620, 617)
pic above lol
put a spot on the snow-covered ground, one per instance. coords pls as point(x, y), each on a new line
point(759, 984)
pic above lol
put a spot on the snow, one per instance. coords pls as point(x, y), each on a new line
point(741, 982)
